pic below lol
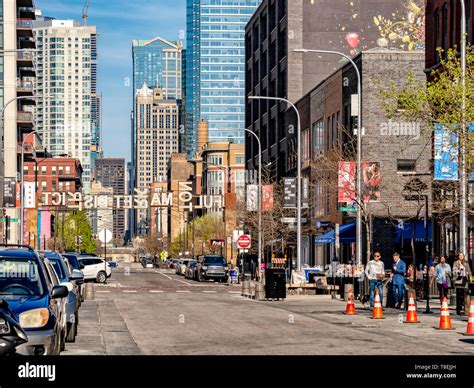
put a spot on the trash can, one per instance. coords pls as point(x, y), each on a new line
point(275, 284)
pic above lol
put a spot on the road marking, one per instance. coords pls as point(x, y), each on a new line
point(128, 291)
point(182, 291)
point(104, 291)
point(234, 292)
point(182, 281)
point(210, 292)
point(156, 291)
point(166, 276)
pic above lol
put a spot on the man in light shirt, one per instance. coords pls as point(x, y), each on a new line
point(375, 272)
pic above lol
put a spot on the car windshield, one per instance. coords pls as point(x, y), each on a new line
point(20, 277)
point(59, 269)
point(214, 260)
point(73, 261)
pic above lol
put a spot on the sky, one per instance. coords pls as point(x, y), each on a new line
point(118, 23)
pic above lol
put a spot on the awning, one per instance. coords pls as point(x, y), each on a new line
point(347, 234)
point(407, 232)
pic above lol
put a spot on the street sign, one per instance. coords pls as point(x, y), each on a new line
point(4, 219)
point(348, 209)
point(289, 193)
point(105, 236)
point(244, 241)
point(292, 220)
point(79, 240)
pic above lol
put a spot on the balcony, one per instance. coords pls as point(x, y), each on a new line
point(24, 87)
point(24, 118)
point(25, 3)
point(26, 71)
point(25, 58)
point(24, 28)
point(25, 12)
point(26, 43)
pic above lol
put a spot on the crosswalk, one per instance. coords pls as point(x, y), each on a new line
point(166, 291)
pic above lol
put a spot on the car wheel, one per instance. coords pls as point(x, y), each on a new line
point(71, 332)
point(101, 277)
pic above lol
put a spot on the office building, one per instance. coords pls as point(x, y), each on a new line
point(215, 65)
point(110, 172)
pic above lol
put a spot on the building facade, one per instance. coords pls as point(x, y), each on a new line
point(157, 137)
point(17, 77)
point(66, 64)
point(110, 172)
point(215, 68)
point(273, 69)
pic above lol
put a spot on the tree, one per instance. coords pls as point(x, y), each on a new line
point(76, 228)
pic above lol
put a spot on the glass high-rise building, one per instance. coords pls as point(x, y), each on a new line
point(215, 79)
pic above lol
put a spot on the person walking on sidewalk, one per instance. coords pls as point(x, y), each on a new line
point(461, 277)
point(442, 275)
point(375, 272)
point(399, 269)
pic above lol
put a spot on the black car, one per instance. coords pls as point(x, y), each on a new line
point(35, 298)
point(212, 267)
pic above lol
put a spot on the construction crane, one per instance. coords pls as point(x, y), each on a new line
point(85, 11)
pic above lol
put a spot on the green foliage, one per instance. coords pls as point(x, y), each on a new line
point(438, 100)
point(207, 227)
point(77, 224)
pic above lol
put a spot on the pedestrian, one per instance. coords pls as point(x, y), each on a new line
point(375, 272)
point(399, 269)
point(442, 275)
point(461, 277)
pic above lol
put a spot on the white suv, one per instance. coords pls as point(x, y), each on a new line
point(95, 268)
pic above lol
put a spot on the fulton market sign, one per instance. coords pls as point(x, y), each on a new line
point(142, 199)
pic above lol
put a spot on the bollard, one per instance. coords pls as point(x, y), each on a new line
point(245, 288)
point(259, 292)
point(252, 292)
point(89, 294)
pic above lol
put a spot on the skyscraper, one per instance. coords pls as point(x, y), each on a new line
point(17, 75)
point(66, 64)
point(110, 172)
point(215, 78)
point(157, 63)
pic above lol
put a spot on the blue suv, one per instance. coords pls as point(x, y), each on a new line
point(34, 297)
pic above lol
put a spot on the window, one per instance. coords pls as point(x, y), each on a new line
point(406, 165)
point(240, 159)
point(317, 138)
point(216, 160)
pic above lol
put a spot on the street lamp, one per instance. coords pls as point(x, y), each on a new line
point(22, 175)
point(359, 148)
point(299, 196)
point(463, 178)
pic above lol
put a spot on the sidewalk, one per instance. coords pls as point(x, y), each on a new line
point(101, 331)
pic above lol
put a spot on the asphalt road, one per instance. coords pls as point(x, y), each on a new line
point(155, 312)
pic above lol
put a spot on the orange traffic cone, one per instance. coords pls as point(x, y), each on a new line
point(445, 319)
point(411, 313)
point(470, 322)
point(350, 308)
point(377, 312)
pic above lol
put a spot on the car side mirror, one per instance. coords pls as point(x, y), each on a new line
point(76, 276)
point(81, 266)
point(59, 292)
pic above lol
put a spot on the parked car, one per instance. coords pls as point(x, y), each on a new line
point(73, 300)
point(191, 270)
point(181, 266)
point(212, 267)
point(73, 261)
point(95, 268)
point(34, 297)
point(173, 263)
point(149, 263)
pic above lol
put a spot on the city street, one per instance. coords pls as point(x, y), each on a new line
point(155, 312)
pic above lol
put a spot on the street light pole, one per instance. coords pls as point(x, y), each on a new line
point(463, 178)
point(359, 148)
point(22, 176)
point(260, 241)
point(299, 161)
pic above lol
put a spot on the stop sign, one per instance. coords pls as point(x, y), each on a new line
point(244, 241)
